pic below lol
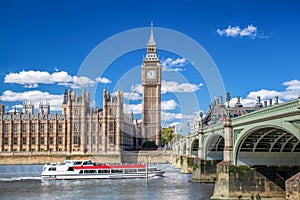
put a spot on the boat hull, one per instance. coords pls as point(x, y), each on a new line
point(101, 176)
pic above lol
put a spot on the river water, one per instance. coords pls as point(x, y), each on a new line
point(23, 182)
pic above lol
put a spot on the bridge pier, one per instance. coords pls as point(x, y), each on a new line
point(186, 166)
point(244, 182)
point(175, 160)
point(292, 186)
point(204, 171)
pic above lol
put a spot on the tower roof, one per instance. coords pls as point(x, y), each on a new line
point(151, 39)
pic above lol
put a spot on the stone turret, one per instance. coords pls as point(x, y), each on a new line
point(2, 111)
point(238, 103)
point(276, 100)
point(258, 104)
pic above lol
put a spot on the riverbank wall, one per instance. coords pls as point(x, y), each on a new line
point(109, 157)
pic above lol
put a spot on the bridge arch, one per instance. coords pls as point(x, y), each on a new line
point(268, 144)
point(214, 146)
point(194, 147)
point(183, 152)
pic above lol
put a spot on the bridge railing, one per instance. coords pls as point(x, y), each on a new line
point(287, 108)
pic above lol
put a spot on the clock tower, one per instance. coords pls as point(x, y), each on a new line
point(151, 89)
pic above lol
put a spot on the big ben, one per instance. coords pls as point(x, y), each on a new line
point(151, 91)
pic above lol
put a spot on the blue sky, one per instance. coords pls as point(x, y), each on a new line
point(254, 44)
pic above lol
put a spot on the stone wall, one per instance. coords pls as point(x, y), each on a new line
point(204, 171)
point(292, 186)
point(128, 157)
point(243, 182)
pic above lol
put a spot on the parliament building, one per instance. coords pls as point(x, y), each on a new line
point(82, 129)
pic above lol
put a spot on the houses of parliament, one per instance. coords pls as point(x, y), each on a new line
point(82, 129)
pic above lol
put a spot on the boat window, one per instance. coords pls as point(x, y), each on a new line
point(52, 169)
point(103, 171)
point(81, 172)
point(117, 171)
point(141, 170)
point(130, 170)
point(77, 163)
point(89, 171)
point(89, 162)
point(151, 169)
point(70, 169)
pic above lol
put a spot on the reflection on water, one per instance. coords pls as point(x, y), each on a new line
point(22, 181)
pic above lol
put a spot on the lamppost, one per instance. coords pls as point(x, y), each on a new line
point(201, 137)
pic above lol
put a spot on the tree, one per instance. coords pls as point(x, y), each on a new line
point(167, 135)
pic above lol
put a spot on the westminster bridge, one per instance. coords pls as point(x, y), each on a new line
point(252, 156)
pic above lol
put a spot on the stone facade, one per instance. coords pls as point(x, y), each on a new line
point(78, 129)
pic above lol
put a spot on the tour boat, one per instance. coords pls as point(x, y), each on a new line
point(86, 169)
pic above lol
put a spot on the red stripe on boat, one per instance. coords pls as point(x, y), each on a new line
point(110, 167)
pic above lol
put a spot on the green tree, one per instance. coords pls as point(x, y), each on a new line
point(167, 135)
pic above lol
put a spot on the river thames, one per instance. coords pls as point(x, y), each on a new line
point(23, 182)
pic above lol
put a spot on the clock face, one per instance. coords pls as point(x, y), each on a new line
point(151, 74)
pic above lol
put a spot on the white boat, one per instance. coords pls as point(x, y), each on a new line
point(86, 169)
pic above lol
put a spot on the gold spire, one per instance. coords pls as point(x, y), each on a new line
point(151, 39)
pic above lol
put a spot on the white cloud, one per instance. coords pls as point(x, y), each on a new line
point(170, 64)
point(292, 85)
point(172, 86)
point(34, 77)
point(31, 79)
point(81, 82)
point(235, 31)
point(168, 105)
point(136, 88)
point(35, 96)
point(135, 108)
point(168, 116)
point(291, 92)
point(103, 80)
point(132, 96)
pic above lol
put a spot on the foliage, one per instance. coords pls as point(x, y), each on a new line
point(191, 163)
point(167, 135)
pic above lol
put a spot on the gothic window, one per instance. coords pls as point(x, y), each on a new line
point(94, 127)
point(15, 128)
point(15, 141)
point(111, 111)
point(23, 128)
point(6, 141)
point(76, 111)
point(51, 140)
point(76, 139)
point(111, 139)
point(24, 140)
point(33, 128)
point(33, 140)
point(60, 140)
point(93, 140)
point(76, 127)
point(60, 128)
point(42, 127)
point(42, 140)
point(100, 127)
point(5, 128)
point(100, 139)
point(87, 127)
point(51, 128)
point(111, 126)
